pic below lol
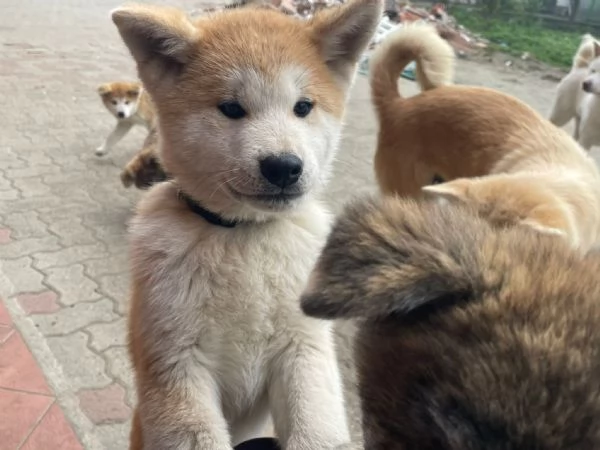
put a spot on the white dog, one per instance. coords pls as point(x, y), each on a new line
point(250, 104)
point(577, 95)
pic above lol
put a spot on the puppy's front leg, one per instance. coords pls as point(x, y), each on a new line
point(305, 396)
point(114, 137)
point(183, 414)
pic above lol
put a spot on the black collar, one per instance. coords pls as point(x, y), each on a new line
point(207, 215)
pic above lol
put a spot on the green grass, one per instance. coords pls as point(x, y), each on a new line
point(517, 36)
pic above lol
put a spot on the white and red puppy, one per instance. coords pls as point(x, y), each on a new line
point(250, 104)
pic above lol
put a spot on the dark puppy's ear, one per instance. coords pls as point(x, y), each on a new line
point(160, 39)
point(344, 31)
point(397, 258)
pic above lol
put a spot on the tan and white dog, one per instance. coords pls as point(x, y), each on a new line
point(130, 104)
point(250, 105)
point(578, 94)
point(494, 151)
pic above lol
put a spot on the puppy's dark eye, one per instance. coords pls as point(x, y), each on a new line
point(437, 179)
point(303, 108)
point(127, 102)
point(114, 102)
point(232, 110)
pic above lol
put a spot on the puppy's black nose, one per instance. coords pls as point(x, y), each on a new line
point(587, 86)
point(121, 115)
point(281, 170)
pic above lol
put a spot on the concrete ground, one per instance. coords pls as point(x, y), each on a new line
point(63, 211)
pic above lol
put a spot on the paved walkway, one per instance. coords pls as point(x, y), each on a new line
point(63, 215)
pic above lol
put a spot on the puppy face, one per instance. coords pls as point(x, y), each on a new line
point(591, 84)
point(250, 101)
point(121, 99)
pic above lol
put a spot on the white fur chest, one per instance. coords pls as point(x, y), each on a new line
point(226, 299)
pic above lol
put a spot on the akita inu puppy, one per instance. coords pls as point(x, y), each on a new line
point(250, 104)
point(130, 104)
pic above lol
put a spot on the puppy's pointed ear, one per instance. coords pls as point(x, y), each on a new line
point(396, 258)
point(104, 89)
point(451, 191)
point(543, 228)
point(160, 39)
point(343, 32)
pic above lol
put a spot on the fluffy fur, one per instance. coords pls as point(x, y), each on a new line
point(130, 104)
point(470, 337)
point(578, 94)
point(145, 169)
point(531, 172)
point(217, 336)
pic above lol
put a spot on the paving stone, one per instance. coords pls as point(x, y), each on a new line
point(75, 317)
point(117, 288)
point(26, 224)
point(5, 183)
point(81, 366)
point(22, 204)
point(113, 265)
point(119, 366)
point(31, 187)
point(32, 170)
point(77, 209)
point(105, 405)
point(18, 275)
point(68, 256)
point(115, 436)
point(39, 303)
point(72, 232)
point(105, 335)
point(72, 284)
point(8, 195)
point(15, 249)
point(5, 234)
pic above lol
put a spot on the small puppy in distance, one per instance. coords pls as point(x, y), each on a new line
point(471, 337)
point(130, 104)
point(516, 166)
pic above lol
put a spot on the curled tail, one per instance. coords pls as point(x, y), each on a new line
point(416, 42)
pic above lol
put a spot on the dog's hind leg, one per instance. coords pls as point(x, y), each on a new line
point(114, 137)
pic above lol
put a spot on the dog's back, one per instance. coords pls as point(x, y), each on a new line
point(446, 131)
point(471, 337)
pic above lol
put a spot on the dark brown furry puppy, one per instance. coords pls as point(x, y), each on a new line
point(471, 337)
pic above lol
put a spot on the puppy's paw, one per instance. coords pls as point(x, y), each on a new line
point(143, 171)
point(127, 178)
